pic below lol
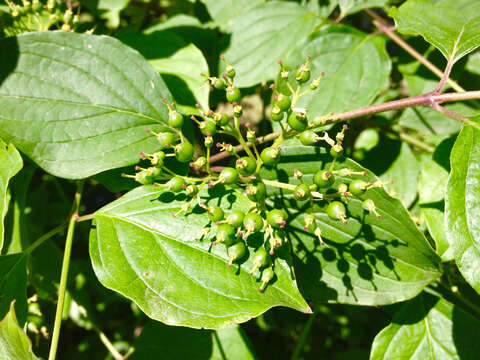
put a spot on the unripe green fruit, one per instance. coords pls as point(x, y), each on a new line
point(224, 120)
point(277, 218)
point(336, 210)
point(236, 252)
point(208, 127)
point(230, 71)
point(154, 172)
point(219, 84)
point(184, 152)
point(192, 190)
point(323, 179)
point(297, 121)
point(335, 153)
point(358, 187)
point(283, 102)
point(143, 177)
point(175, 119)
point(276, 114)
point(267, 275)
point(233, 94)
point(226, 234)
point(270, 156)
point(166, 139)
point(302, 76)
point(246, 166)
point(253, 222)
point(176, 184)
point(228, 175)
point(215, 213)
point(302, 192)
point(308, 137)
point(256, 192)
point(235, 218)
point(260, 259)
point(368, 204)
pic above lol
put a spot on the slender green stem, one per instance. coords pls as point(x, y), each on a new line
point(45, 237)
point(303, 337)
point(416, 142)
point(86, 217)
point(290, 187)
point(64, 275)
point(208, 160)
point(242, 140)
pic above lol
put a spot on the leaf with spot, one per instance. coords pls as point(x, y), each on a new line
point(139, 250)
point(78, 104)
point(370, 261)
point(453, 27)
point(428, 328)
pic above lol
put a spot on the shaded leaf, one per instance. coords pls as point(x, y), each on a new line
point(370, 261)
point(78, 104)
point(13, 284)
point(14, 343)
point(179, 63)
point(428, 328)
point(138, 249)
point(473, 63)
point(353, 6)
point(356, 67)
point(10, 163)
point(453, 27)
point(169, 342)
point(259, 41)
point(462, 204)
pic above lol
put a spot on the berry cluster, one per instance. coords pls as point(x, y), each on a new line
point(233, 228)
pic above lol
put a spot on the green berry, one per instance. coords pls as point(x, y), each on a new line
point(233, 94)
point(184, 152)
point(276, 113)
point(224, 120)
point(336, 211)
point(270, 156)
point(226, 234)
point(256, 192)
point(192, 190)
point(154, 172)
point(219, 84)
point(369, 205)
point(297, 121)
point(267, 276)
point(260, 259)
point(253, 222)
point(246, 166)
point(283, 102)
point(176, 184)
point(215, 213)
point(308, 137)
point(166, 139)
point(230, 71)
point(302, 192)
point(235, 218)
point(323, 179)
point(358, 187)
point(228, 175)
point(277, 218)
point(236, 252)
point(302, 75)
point(335, 153)
point(175, 119)
point(143, 177)
point(208, 127)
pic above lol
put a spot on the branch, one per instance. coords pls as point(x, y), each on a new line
point(380, 24)
point(429, 99)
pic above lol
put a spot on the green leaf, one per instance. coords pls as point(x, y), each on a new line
point(10, 163)
point(179, 63)
point(404, 172)
point(453, 27)
point(428, 328)
point(169, 342)
point(370, 261)
point(224, 12)
point(263, 36)
point(139, 250)
point(428, 121)
point(78, 104)
point(432, 186)
point(356, 67)
point(353, 6)
point(13, 284)
point(112, 13)
point(462, 204)
point(473, 63)
point(14, 343)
